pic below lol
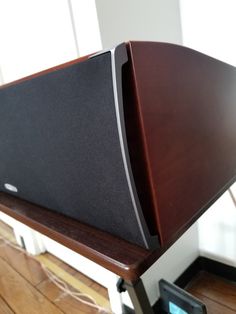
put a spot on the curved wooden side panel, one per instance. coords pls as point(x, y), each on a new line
point(187, 115)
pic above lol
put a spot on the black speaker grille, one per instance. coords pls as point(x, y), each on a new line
point(59, 146)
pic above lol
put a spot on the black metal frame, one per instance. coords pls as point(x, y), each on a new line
point(137, 295)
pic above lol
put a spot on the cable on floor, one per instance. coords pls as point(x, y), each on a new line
point(59, 283)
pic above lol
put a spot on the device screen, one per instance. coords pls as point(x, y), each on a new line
point(174, 309)
point(175, 300)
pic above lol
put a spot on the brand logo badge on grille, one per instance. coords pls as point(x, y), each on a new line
point(10, 187)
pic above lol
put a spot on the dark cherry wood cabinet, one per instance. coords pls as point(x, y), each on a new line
point(184, 106)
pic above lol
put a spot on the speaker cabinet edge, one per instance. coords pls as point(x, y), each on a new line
point(119, 57)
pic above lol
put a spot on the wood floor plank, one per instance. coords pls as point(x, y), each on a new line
point(29, 268)
point(84, 279)
point(101, 290)
point(70, 270)
point(26, 266)
point(32, 272)
point(72, 281)
point(212, 306)
point(66, 303)
point(7, 232)
point(21, 296)
point(6, 227)
point(53, 258)
point(4, 308)
point(215, 288)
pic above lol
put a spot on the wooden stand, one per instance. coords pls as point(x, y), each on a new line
point(120, 257)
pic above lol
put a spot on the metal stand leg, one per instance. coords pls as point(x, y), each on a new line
point(138, 297)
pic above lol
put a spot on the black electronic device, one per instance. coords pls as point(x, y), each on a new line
point(175, 300)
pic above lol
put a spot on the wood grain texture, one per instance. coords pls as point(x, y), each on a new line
point(216, 289)
point(72, 281)
point(7, 232)
point(65, 302)
point(48, 289)
point(16, 290)
point(26, 266)
point(187, 115)
point(4, 308)
point(213, 307)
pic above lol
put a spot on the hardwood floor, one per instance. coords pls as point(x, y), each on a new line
point(26, 289)
point(218, 294)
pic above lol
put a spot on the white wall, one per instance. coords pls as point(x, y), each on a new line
point(173, 263)
point(209, 26)
point(36, 35)
point(86, 28)
point(153, 20)
point(217, 230)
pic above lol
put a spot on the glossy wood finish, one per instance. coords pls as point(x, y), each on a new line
point(187, 115)
point(219, 295)
point(115, 254)
point(121, 257)
point(214, 307)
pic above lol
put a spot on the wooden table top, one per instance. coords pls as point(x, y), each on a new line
point(121, 257)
